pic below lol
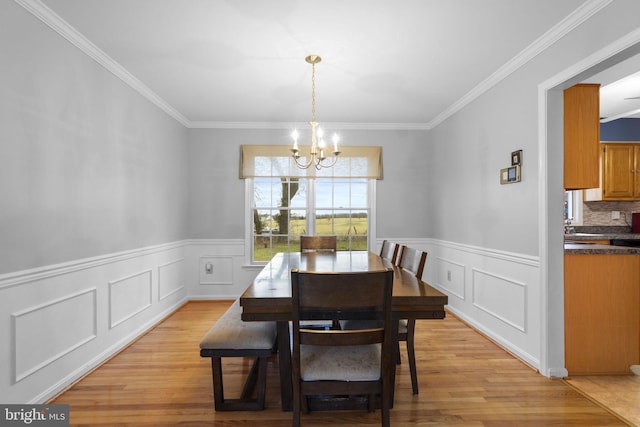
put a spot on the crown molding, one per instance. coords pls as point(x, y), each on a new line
point(577, 17)
point(288, 125)
point(55, 22)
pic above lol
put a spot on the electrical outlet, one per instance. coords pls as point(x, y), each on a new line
point(208, 268)
point(449, 275)
point(615, 214)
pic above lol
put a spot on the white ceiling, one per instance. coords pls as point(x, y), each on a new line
point(619, 90)
point(240, 63)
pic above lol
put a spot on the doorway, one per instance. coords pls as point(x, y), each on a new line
point(551, 194)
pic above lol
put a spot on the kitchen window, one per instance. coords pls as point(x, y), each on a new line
point(573, 207)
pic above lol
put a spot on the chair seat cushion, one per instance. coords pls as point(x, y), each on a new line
point(346, 363)
point(230, 332)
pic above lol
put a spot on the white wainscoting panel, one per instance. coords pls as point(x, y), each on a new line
point(502, 298)
point(230, 273)
point(129, 296)
point(498, 293)
point(450, 277)
point(170, 278)
point(216, 270)
point(63, 320)
point(49, 331)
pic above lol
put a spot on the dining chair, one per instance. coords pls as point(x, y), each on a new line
point(318, 243)
point(389, 251)
point(338, 362)
point(412, 260)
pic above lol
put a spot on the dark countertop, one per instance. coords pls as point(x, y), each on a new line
point(602, 236)
point(593, 249)
point(578, 243)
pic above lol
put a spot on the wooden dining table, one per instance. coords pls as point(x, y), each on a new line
point(268, 298)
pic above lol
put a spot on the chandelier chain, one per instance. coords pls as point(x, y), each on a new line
point(313, 92)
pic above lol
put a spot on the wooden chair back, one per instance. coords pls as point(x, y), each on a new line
point(389, 251)
point(318, 243)
point(357, 295)
point(413, 260)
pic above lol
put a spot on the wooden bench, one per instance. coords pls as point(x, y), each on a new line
point(231, 337)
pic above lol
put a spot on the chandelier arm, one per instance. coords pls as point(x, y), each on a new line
point(303, 165)
point(320, 163)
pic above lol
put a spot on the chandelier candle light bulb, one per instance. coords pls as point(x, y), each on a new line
point(295, 148)
point(317, 156)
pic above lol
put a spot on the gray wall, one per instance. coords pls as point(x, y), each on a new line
point(87, 166)
point(216, 201)
point(465, 159)
point(468, 150)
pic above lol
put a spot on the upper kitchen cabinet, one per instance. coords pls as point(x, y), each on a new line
point(581, 136)
point(620, 173)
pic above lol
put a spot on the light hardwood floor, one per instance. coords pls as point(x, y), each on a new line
point(465, 380)
point(620, 393)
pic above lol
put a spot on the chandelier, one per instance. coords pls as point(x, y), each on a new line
point(317, 156)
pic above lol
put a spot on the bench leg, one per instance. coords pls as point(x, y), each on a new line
point(218, 389)
point(252, 378)
point(262, 380)
point(257, 378)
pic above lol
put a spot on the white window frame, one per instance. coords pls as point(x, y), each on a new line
point(574, 199)
point(248, 206)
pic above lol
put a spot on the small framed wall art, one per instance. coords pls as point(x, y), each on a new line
point(516, 158)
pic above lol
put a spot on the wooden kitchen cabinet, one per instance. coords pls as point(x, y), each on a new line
point(620, 173)
point(581, 136)
point(601, 313)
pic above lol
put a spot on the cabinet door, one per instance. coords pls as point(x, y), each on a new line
point(618, 172)
point(601, 313)
point(581, 136)
point(595, 194)
point(636, 171)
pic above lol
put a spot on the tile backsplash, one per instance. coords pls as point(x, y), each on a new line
point(599, 213)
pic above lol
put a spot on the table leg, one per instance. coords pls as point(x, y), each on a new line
point(284, 364)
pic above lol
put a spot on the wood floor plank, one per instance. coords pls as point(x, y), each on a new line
point(465, 380)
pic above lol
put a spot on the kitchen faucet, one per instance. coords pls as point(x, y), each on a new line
point(568, 229)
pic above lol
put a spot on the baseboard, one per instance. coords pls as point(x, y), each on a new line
point(212, 298)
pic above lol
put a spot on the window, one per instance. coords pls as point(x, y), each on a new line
point(284, 202)
point(283, 209)
point(573, 207)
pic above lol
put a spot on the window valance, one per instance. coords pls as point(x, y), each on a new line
point(276, 161)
